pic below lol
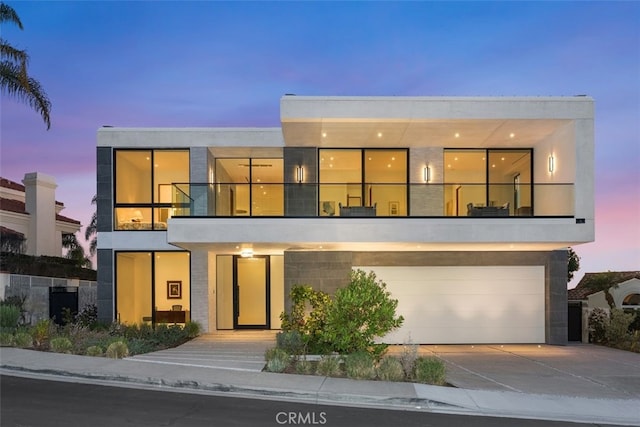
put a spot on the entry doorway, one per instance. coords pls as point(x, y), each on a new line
point(251, 292)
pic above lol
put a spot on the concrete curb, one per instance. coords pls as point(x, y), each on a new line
point(251, 392)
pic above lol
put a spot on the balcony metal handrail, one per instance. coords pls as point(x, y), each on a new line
point(231, 199)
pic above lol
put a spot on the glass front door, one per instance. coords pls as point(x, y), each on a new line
point(251, 293)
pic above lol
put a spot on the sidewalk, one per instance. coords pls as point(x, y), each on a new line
point(315, 389)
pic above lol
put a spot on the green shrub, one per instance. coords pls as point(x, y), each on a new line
point(617, 332)
point(277, 359)
point(598, 322)
point(304, 367)
point(390, 369)
point(359, 313)
point(94, 350)
point(191, 329)
point(9, 316)
point(308, 317)
point(329, 366)
point(117, 350)
point(141, 346)
point(19, 301)
point(88, 316)
point(6, 339)
point(23, 339)
point(291, 342)
point(408, 359)
point(360, 366)
point(429, 370)
point(41, 332)
point(61, 345)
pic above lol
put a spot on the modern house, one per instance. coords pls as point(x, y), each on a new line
point(29, 212)
point(464, 207)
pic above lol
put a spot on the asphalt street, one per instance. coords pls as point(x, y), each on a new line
point(27, 402)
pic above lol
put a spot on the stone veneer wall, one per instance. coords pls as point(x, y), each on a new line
point(300, 199)
point(328, 271)
point(36, 291)
point(426, 199)
point(200, 289)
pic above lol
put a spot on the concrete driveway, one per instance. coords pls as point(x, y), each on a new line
point(581, 370)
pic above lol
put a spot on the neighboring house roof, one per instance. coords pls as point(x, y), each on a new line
point(12, 205)
point(583, 288)
point(17, 206)
point(8, 231)
point(7, 183)
point(12, 185)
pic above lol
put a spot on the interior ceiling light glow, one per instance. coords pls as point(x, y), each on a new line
point(324, 134)
point(512, 135)
point(379, 134)
point(457, 135)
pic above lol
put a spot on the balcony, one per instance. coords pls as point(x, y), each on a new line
point(362, 200)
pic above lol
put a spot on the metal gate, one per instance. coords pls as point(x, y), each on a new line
point(61, 298)
point(575, 321)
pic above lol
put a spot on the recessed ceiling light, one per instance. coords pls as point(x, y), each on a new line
point(379, 134)
point(511, 135)
point(493, 166)
point(393, 158)
point(369, 158)
point(457, 135)
point(324, 134)
point(502, 158)
point(331, 158)
point(330, 165)
point(389, 165)
point(455, 158)
point(448, 166)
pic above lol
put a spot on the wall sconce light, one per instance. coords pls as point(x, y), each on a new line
point(246, 253)
point(427, 174)
point(299, 174)
point(551, 164)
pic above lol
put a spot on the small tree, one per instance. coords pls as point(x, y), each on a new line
point(574, 263)
point(359, 313)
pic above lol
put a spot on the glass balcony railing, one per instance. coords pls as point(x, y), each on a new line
point(377, 200)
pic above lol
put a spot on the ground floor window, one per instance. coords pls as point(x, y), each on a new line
point(153, 287)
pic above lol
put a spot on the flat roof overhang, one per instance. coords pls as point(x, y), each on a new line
point(275, 235)
point(453, 122)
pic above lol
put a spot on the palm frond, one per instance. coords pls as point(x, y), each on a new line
point(12, 82)
point(8, 14)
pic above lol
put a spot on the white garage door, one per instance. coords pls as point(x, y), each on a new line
point(454, 305)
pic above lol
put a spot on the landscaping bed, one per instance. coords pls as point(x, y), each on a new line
point(84, 335)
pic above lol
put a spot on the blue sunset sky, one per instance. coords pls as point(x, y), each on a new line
point(191, 64)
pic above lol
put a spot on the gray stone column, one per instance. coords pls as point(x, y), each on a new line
point(323, 271)
point(200, 289)
point(199, 177)
point(556, 304)
point(426, 198)
point(300, 199)
point(104, 196)
point(105, 300)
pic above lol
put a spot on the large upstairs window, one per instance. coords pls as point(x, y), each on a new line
point(143, 190)
point(493, 182)
point(353, 179)
point(249, 187)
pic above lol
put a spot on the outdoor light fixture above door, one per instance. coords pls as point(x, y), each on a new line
point(299, 174)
